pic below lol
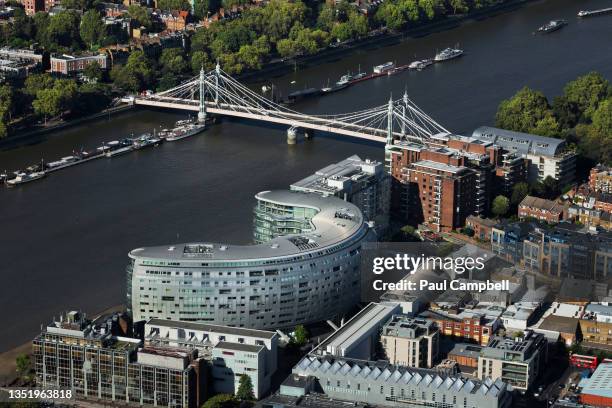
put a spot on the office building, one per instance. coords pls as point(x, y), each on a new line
point(310, 275)
point(361, 182)
point(516, 361)
point(410, 342)
point(230, 351)
point(546, 157)
point(86, 357)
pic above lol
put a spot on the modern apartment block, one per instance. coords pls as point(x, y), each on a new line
point(85, 356)
point(230, 351)
point(410, 342)
point(361, 182)
point(310, 275)
point(546, 157)
point(566, 251)
point(515, 361)
point(70, 65)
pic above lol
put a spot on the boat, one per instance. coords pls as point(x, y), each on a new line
point(382, 68)
point(3, 177)
point(305, 93)
point(551, 26)
point(22, 178)
point(447, 54)
point(63, 162)
point(591, 13)
point(123, 147)
point(424, 64)
point(185, 131)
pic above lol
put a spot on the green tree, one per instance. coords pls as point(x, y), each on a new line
point(587, 92)
point(136, 75)
point(459, 6)
point(500, 205)
point(391, 15)
point(41, 24)
point(54, 101)
point(547, 126)
point(245, 389)
point(300, 335)
point(23, 365)
point(140, 15)
point(173, 61)
point(201, 8)
point(92, 28)
point(93, 72)
point(174, 5)
point(63, 30)
point(200, 59)
point(524, 111)
point(221, 401)
point(567, 113)
point(602, 119)
point(519, 191)
point(36, 82)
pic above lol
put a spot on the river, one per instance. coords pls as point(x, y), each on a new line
point(64, 240)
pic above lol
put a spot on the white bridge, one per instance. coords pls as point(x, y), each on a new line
point(216, 92)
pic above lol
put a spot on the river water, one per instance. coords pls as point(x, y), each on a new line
point(64, 240)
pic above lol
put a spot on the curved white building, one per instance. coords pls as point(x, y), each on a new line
point(310, 274)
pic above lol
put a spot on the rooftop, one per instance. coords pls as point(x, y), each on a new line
point(599, 383)
point(523, 143)
point(238, 331)
point(560, 324)
point(428, 164)
point(335, 222)
point(239, 347)
point(541, 204)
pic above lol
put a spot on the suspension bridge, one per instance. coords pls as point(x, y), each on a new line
point(217, 93)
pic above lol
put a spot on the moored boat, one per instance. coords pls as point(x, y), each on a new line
point(382, 68)
point(447, 54)
point(22, 178)
point(551, 26)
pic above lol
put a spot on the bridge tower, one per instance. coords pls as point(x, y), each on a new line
point(202, 111)
point(404, 109)
point(217, 75)
point(390, 122)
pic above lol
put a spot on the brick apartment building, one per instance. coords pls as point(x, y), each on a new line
point(600, 179)
point(541, 209)
point(32, 7)
point(70, 65)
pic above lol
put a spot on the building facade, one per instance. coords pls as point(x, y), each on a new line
point(70, 65)
point(292, 279)
point(84, 356)
point(410, 342)
point(514, 361)
point(600, 179)
point(361, 182)
point(540, 209)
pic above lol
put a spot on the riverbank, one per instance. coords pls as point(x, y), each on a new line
point(283, 67)
point(20, 138)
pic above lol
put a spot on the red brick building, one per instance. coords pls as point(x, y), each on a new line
point(477, 329)
point(482, 227)
point(32, 7)
point(541, 209)
point(600, 179)
point(70, 65)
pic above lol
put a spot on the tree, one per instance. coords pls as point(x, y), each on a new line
point(500, 205)
point(56, 100)
point(199, 60)
point(602, 119)
point(459, 6)
point(63, 30)
point(93, 72)
point(245, 389)
point(174, 5)
point(519, 191)
point(136, 75)
point(140, 15)
point(300, 335)
point(567, 113)
point(23, 365)
point(36, 82)
point(92, 28)
point(173, 61)
point(201, 8)
point(221, 401)
point(524, 111)
point(587, 92)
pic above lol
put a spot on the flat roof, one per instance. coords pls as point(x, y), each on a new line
point(238, 331)
point(251, 348)
point(600, 382)
point(560, 324)
point(335, 222)
point(440, 166)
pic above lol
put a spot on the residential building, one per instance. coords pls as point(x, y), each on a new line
point(510, 170)
point(591, 217)
point(410, 342)
point(596, 390)
point(32, 7)
point(476, 327)
point(19, 63)
point(567, 327)
point(515, 361)
point(546, 157)
point(482, 227)
point(600, 179)
point(540, 209)
point(86, 357)
point(466, 354)
point(360, 182)
point(310, 275)
point(566, 251)
point(230, 351)
point(507, 240)
point(71, 65)
point(175, 20)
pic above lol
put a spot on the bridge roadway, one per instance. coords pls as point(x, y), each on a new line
point(285, 118)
